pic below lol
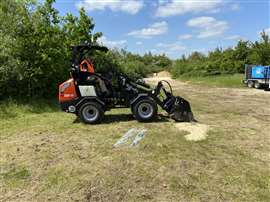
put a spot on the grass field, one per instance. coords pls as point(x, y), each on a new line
point(232, 81)
point(47, 155)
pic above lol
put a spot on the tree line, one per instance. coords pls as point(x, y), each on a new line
point(227, 61)
point(35, 54)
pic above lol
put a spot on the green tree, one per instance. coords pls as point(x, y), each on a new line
point(35, 42)
point(260, 53)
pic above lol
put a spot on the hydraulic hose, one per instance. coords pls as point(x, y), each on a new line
point(168, 85)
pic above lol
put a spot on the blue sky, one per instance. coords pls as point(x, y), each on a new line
point(173, 27)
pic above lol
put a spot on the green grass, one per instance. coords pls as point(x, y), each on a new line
point(14, 108)
point(47, 154)
point(14, 176)
point(230, 81)
point(56, 177)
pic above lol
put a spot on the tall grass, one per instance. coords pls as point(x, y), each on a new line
point(10, 108)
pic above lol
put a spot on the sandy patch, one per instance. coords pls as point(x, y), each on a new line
point(157, 79)
point(163, 74)
point(197, 131)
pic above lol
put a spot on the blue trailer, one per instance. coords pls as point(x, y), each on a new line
point(257, 76)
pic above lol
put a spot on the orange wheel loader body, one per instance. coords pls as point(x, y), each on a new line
point(67, 91)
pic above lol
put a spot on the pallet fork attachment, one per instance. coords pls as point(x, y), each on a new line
point(177, 107)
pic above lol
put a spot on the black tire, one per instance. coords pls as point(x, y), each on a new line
point(257, 85)
point(132, 110)
point(145, 110)
point(91, 113)
point(250, 84)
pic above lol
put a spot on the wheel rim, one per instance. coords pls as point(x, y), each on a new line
point(90, 113)
point(145, 110)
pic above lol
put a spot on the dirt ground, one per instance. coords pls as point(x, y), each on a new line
point(253, 103)
point(247, 99)
point(47, 155)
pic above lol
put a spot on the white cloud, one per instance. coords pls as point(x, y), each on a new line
point(139, 43)
point(171, 47)
point(155, 29)
point(177, 7)
point(112, 44)
point(184, 36)
point(128, 6)
point(208, 26)
point(234, 37)
point(267, 31)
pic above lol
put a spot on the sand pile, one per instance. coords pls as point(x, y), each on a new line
point(163, 74)
point(197, 131)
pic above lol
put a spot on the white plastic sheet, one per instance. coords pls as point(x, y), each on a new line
point(129, 137)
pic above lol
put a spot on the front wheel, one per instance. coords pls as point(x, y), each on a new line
point(91, 113)
point(145, 110)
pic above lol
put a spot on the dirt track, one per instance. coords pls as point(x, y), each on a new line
point(179, 85)
point(227, 108)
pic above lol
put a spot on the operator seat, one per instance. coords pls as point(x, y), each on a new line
point(88, 76)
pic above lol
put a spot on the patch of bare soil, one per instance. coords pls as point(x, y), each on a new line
point(221, 102)
point(187, 86)
point(197, 131)
point(163, 74)
point(154, 80)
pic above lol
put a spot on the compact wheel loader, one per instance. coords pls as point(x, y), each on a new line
point(89, 95)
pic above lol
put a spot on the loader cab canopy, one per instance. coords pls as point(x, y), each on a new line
point(82, 50)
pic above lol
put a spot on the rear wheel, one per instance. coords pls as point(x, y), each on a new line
point(250, 84)
point(145, 110)
point(257, 85)
point(91, 113)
